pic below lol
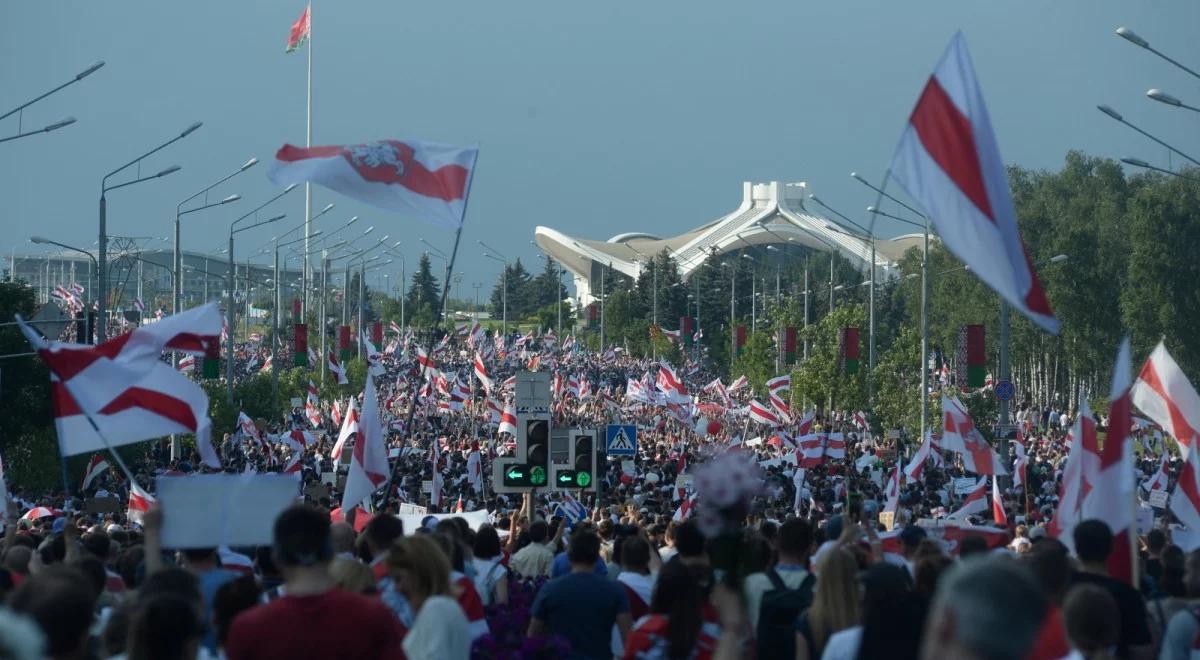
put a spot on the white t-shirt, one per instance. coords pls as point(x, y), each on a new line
point(439, 632)
point(843, 644)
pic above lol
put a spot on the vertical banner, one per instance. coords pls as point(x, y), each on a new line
point(972, 357)
point(593, 312)
point(849, 351)
point(789, 344)
point(211, 366)
point(686, 330)
point(344, 343)
point(740, 338)
point(296, 310)
point(377, 335)
point(300, 345)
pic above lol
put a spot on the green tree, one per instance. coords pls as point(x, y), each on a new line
point(819, 380)
point(757, 360)
point(424, 295)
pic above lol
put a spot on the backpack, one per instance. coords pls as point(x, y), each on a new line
point(777, 616)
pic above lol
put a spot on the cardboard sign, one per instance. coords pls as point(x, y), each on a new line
point(329, 478)
point(412, 509)
point(427, 486)
point(887, 519)
point(103, 505)
point(412, 522)
point(210, 510)
point(893, 434)
point(1158, 499)
point(297, 402)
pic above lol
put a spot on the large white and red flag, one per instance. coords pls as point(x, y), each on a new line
point(1161, 478)
point(974, 502)
point(1163, 392)
point(780, 383)
point(948, 160)
point(369, 462)
point(1111, 494)
point(671, 385)
point(1077, 475)
point(475, 468)
point(374, 358)
point(738, 384)
point(959, 435)
point(425, 179)
point(122, 384)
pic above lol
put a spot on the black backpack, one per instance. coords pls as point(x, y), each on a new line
point(777, 616)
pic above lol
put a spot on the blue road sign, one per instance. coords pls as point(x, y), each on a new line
point(621, 440)
point(1005, 390)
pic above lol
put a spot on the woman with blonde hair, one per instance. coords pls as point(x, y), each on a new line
point(422, 573)
point(835, 604)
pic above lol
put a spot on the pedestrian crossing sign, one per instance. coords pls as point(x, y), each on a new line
point(622, 440)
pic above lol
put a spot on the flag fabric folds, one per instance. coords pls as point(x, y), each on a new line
point(948, 160)
point(369, 462)
point(300, 31)
point(425, 179)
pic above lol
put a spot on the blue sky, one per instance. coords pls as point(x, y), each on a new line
point(593, 118)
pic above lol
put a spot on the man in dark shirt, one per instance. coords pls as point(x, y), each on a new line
point(1093, 543)
point(582, 606)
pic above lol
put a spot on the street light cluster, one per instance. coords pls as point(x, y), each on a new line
point(1153, 94)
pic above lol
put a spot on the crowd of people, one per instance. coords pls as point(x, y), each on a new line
point(805, 567)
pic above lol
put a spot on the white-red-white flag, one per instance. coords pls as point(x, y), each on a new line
point(508, 420)
point(998, 513)
point(95, 468)
point(139, 503)
point(337, 370)
point(374, 358)
point(349, 428)
point(425, 179)
point(475, 469)
point(948, 161)
point(780, 383)
point(481, 374)
point(762, 414)
point(959, 435)
point(738, 384)
point(915, 470)
point(369, 462)
point(1163, 392)
point(975, 501)
point(1160, 479)
point(312, 406)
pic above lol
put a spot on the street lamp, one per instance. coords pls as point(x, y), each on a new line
point(234, 229)
point(1133, 38)
point(92, 68)
point(177, 294)
point(1163, 97)
point(1137, 162)
point(494, 254)
point(1117, 116)
point(305, 269)
point(102, 283)
point(65, 121)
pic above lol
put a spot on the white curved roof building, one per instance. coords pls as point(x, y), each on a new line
point(770, 213)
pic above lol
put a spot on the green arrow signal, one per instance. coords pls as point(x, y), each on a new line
point(515, 472)
point(565, 477)
point(583, 479)
point(537, 475)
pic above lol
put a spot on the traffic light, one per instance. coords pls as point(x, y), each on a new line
point(537, 450)
point(585, 461)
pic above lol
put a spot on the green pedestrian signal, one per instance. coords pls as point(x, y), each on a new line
point(583, 479)
point(537, 476)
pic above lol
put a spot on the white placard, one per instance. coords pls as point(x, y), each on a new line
point(1186, 539)
point(412, 521)
point(206, 511)
point(1158, 499)
point(1145, 520)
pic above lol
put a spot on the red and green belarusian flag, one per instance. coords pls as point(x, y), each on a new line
point(299, 33)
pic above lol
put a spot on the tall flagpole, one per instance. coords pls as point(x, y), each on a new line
point(304, 279)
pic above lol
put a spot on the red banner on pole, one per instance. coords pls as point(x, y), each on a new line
point(377, 334)
point(300, 344)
